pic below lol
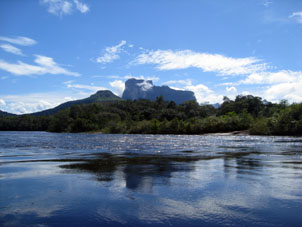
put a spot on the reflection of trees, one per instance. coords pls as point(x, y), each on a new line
point(140, 172)
point(143, 177)
point(243, 162)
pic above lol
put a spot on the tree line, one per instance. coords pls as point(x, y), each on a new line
point(248, 112)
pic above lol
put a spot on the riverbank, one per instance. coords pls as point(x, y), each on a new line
point(161, 117)
point(233, 133)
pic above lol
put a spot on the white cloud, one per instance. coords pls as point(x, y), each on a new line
point(267, 3)
point(83, 8)
point(45, 65)
point(204, 94)
point(272, 86)
point(283, 84)
point(297, 16)
point(87, 87)
point(272, 77)
point(111, 53)
point(58, 7)
point(29, 107)
point(145, 85)
point(153, 78)
point(290, 91)
point(226, 84)
point(65, 7)
point(186, 82)
point(34, 102)
point(67, 99)
point(119, 86)
point(11, 49)
point(68, 82)
point(171, 60)
point(20, 40)
point(108, 76)
point(275, 92)
point(126, 77)
point(29, 103)
point(176, 88)
point(231, 90)
point(2, 102)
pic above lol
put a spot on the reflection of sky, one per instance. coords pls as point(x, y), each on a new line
point(226, 203)
point(257, 189)
point(203, 198)
point(28, 170)
point(29, 199)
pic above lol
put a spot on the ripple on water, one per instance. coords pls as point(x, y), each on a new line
point(139, 180)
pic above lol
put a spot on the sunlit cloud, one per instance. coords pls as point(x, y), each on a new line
point(83, 8)
point(111, 53)
point(2, 102)
point(87, 87)
point(272, 86)
point(267, 3)
point(297, 16)
point(44, 65)
point(290, 91)
point(119, 86)
point(20, 40)
point(65, 7)
point(153, 78)
point(34, 102)
point(11, 49)
point(129, 76)
point(173, 60)
point(204, 94)
point(186, 82)
point(231, 90)
point(272, 77)
point(29, 103)
point(108, 76)
point(58, 7)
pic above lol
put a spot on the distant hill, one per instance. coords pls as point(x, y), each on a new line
point(100, 96)
point(3, 113)
point(216, 105)
point(134, 89)
point(144, 89)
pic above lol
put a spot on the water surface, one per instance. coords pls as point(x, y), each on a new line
point(49, 179)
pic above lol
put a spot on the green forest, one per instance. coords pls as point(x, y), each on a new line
point(251, 113)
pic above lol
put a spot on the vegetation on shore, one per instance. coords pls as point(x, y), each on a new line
point(161, 117)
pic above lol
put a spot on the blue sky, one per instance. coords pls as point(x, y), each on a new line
point(53, 51)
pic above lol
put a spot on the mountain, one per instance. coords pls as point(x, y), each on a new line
point(144, 89)
point(100, 96)
point(216, 105)
point(2, 113)
point(134, 89)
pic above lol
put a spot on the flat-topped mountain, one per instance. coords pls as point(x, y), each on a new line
point(100, 96)
point(134, 89)
point(144, 89)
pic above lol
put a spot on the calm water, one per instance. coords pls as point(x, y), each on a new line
point(49, 179)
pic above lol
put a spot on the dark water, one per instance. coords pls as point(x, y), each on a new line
point(149, 180)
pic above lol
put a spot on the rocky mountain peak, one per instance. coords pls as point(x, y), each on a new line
point(144, 89)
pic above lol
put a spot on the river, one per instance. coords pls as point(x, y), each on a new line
point(49, 179)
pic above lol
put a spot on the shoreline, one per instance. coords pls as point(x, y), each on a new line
point(233, 133)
